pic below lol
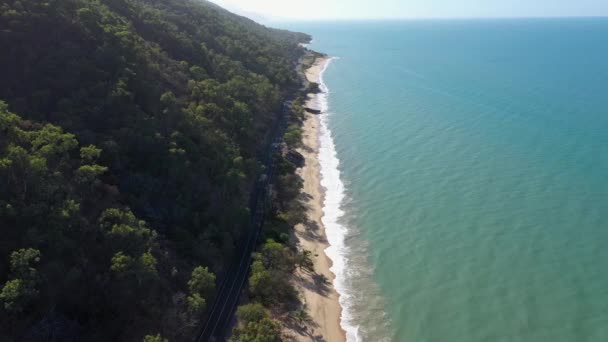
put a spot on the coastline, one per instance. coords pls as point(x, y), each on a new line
point(322, 300)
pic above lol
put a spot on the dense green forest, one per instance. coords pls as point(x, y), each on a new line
point(129, 137)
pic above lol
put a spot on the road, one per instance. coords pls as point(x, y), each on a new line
point(222, 311)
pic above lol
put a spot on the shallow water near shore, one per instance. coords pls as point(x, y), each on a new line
point(474, 162)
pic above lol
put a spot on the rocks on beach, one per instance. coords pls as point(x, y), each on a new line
point(314, 88)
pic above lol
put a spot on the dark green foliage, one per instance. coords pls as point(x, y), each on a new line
point(17, 293)
point(201, 285)
point(202, 281)
point(155, 338)
point(269, 281)
point(303, 261)
point(74, 261)
point(253, 312)
point(264, 330)
point(133, 162)
point(179, 95)
point(293, 136)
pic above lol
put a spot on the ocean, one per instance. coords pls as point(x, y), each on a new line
point(466, 172)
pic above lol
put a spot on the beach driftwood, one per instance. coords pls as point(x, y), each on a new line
point(313, 111)
point(295, 157)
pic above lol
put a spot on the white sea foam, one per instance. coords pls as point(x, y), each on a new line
point(332, 212)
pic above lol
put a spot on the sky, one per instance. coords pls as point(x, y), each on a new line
point(393, 9)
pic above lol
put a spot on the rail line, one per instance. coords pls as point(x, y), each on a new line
point(230, 289)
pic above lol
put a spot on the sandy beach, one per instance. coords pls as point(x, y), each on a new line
point(321, 299)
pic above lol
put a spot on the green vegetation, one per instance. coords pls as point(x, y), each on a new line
point(256, 325)
point(201, 285)
point(251, 313)
point(293, 136)
point(270, 282)
point(126, 175)
point(264, 330)
point(270, 275)
point(155, 338)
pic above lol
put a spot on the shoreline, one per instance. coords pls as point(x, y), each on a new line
point(321, 299)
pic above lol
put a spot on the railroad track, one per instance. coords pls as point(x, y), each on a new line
point(222, 311)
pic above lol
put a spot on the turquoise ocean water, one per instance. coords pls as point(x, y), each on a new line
point(473, 167)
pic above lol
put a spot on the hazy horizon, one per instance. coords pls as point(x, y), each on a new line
point(318, 10)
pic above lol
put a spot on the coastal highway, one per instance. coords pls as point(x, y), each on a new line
point(229, 291)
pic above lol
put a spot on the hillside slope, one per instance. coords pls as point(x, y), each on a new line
point(128, 170)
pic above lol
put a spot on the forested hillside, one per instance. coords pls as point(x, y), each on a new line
point(126, 169)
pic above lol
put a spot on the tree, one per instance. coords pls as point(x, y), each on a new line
point(126, 233)
point(260, 282)
point(141, 270)
point(87, 174)
point(252, 312)
point(23, 262)
point(20, 291)
point(270, 271)
point(154, 338)
point(196, 303)
point(301, 316)
point(7, 119)
point(265, 330)
point(130, 158)
point(16, 295)
point(303, 261)
point(293, 136)
point(202, 281)
point(90, 153)
point(201, 284)
point(276, 256)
